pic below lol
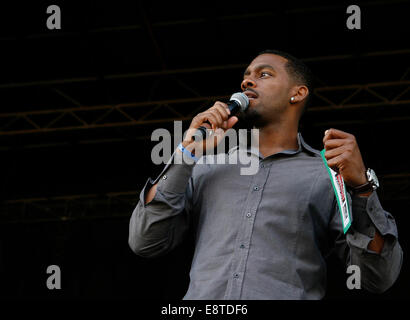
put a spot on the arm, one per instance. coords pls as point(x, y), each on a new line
point(371, 243)
point(372, 240)
point(376, 244)
point(159, 222)
point(153, 190)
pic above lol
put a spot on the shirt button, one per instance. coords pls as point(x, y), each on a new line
point(164, 177)
point(236, 275)
point(248, 215)
point(256, 188)
point(242, 246)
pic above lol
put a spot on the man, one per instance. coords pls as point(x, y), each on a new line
point(266, 236)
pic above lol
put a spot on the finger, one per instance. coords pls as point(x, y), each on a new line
point(335, 134)
point(217, 116)
point(330, 154)
point(208, 116)
point(224, 105)
point(335, 162)
point(334, 143)
point(198, 120)
point(224, 110)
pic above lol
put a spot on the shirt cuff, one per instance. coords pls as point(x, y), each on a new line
point(175, 176)
point(368, 212)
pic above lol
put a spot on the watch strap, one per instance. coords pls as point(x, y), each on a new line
point(363, 188)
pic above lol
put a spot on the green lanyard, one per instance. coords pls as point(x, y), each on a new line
point(340, 193)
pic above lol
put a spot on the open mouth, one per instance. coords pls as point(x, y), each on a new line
point(250, 94)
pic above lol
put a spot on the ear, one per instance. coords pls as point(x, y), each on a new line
point(299, 94)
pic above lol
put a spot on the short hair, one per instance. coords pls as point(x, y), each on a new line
point(298, 70)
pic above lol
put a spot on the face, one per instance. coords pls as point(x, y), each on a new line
point(267, 85)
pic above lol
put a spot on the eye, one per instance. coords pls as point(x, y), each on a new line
point(264, 74)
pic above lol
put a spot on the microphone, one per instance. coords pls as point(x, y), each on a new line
point(238, 102)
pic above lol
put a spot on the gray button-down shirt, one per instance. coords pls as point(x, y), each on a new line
point(263, 236)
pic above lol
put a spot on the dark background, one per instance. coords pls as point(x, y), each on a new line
point(78, 106)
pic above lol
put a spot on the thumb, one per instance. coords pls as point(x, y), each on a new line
point(231, 122)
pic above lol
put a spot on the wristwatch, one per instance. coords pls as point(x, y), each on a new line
point(371, 184)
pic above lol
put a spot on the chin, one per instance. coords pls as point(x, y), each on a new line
point(252, 118)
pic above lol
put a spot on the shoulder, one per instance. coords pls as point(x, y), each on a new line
point(314, 162)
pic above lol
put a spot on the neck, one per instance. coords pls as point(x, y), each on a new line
point(276, 138)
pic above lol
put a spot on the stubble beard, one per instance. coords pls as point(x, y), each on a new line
point(252, 118)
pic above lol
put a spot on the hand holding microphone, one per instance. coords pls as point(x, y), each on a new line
point(220, 117)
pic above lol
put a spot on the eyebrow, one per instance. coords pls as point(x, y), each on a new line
point(259, 67)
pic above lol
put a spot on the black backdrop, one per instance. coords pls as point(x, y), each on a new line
point(68, 188)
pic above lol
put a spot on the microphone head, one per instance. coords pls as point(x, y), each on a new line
point(242, 99)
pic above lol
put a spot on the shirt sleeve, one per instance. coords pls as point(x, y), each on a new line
point(378, 271)
point(159, 226)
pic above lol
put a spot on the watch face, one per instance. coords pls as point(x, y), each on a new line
point(371, 176)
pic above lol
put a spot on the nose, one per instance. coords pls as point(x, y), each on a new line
point(247, 83)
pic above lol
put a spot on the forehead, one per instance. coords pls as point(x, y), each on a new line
point(277, 62)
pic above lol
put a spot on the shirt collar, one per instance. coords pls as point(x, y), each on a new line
point(302, 145)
